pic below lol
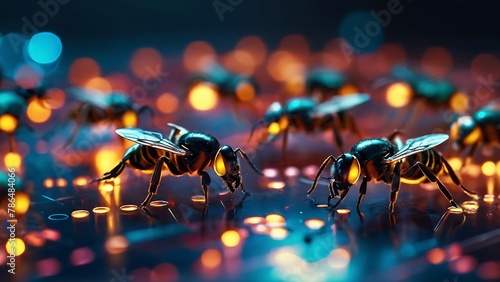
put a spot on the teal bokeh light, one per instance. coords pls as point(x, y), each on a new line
point(45, 48)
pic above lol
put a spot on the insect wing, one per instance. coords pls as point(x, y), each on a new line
point(88, 96)
point(340, 103)
point(152, 139)
point(418, 144)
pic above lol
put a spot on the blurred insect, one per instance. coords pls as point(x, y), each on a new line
point(237, 88)
point(391, 162)
point(407, 87)
point(184, 152)
point(306, 115)
point(481, 127)
point(322, 84)
point(94, 107)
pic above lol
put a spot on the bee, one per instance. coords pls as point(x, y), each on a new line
point(236, 87)
point(94, 107)
point(409, 87)
point(481, 127)
point(184, 152)
point(390, 162)
point(322, 84)
point(306, 115)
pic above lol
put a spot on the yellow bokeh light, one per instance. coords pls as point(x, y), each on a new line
point(99, 84)
point(129, 119)
point(105, 160)
point(488, 168)
point(167, 103)
point(37, 113)
point(15, 246)
point(211, 258)
point(12, 160)
point(398, 94)
point(8, 123)
point(203, 97)
point(22, 203)
point(245, 91)
point(230, 238)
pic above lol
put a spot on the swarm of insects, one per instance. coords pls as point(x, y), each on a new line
point(391, 162)
point(183, 152)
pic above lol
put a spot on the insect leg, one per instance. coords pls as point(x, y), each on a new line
point(396, 183)
point(155, 180)
point(457, 181)
point(205, 181)
point(321, 168)
point(84, 111)
point(362, 191)
point(433, 178)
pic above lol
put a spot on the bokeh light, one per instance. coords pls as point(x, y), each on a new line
point(45, 47)
point(36, 112)
point(203, 97)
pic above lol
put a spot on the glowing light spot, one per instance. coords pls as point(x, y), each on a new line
point(36, 112)
point(13, 160)
point(203, 96)
point(34, 239)
point(254, 220)
point(58, 216)
point(105, 159)
point(275, 220)
point(348, 89)
point(470, 207)
point(245, 91)
point(270, 172)
point(129, 119)
point(455, 210)
point(292, 171)
point(45, 47)
point(99, 84)
point(48, 267)
point(116, 244)
point(164, 272)
point(158, 203)
point(100, 210)
point(488, 168)
point(28, 76)
point(48, 183)
point(314, 223)
point(81, 256)
point(8, 123)
point(398, 94)
point(129, 208)
point(211, 258)
point(278, 233)
point(230, 238)
point(276, 185)
point(198, 55)
point(436, 256)
point(61, 182)
point(167, 103)
point(146, 63)
point(82, 70)
point(80, 181)
point(22, 202)
point(15, 246)
point(339, 258)
point(489, 198)
point(198, 199)
point(463, 264)
point(437, 61)
point(254, 46)
point(80, 214)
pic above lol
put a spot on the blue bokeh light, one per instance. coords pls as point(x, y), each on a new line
point(45, 48)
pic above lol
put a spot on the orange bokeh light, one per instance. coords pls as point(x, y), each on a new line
point(82, 70)
point(146, 62)
point(167, 103)
point(36, 112)
point(198, 55)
